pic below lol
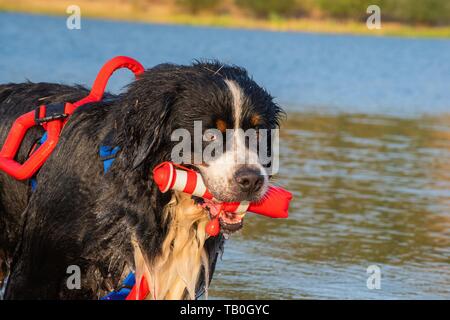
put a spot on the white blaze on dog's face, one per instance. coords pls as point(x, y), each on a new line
point(236, 174)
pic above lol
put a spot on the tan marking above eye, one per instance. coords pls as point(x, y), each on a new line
point(221, 125)
point(255, 120)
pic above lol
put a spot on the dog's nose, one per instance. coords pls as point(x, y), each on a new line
point(249, 180)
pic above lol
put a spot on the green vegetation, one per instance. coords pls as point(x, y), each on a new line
point(406, 18)
point(195, 6)
point(349, 9)
point(268, 8)
point(430, 12)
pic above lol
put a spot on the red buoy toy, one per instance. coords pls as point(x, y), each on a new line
point(169, 176)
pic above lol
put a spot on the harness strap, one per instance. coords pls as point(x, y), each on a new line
point(108, 155)
point(33, 180)
point(52, 118)
point(128, 290)
point(142, 293)
point(124, 290)
point(53, 111)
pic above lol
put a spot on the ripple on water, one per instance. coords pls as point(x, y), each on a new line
point(367, 190)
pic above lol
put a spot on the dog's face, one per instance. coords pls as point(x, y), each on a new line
point(236, 173)
point(222, 111)
point(228, 110)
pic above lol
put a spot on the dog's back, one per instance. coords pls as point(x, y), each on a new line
point(15, 100)
point(41, 229)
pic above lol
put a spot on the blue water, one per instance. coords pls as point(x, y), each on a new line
point(365, 148)
point(352, 74)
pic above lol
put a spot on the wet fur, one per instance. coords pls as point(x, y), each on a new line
point(176, 272)
point(111, 224)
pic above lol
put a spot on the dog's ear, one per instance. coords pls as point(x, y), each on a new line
point(144, 128)
point(156, 131)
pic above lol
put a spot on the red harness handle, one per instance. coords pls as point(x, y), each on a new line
point(54, 126)
point(141, 293)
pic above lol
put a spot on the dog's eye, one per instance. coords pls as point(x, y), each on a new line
point(209, 136)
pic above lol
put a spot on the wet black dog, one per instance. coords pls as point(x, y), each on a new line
point(111, 224)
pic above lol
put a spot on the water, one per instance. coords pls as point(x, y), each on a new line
point(369, 190)
point(365, 148)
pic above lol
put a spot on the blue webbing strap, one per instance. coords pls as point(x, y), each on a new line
point(108, 155)
point(124, 290)
point(33, 180)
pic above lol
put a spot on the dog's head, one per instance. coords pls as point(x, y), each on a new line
point(211, 117)
point(232, 170)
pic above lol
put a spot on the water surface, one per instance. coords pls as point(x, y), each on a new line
point(368, 190)
point(333, 73)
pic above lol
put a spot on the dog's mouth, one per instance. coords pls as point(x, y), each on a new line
point(229, 221)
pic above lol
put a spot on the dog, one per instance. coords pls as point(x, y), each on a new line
point(110, 224)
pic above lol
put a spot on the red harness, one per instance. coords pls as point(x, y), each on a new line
point(54, 124)
point(140, 294)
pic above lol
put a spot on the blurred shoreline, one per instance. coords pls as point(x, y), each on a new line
point(167, 14)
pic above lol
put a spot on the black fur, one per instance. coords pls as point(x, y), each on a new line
point(80, 216)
